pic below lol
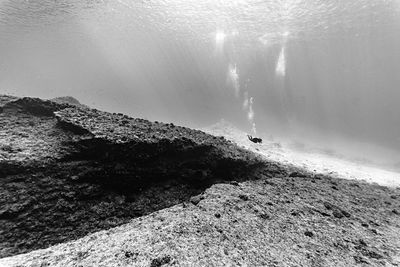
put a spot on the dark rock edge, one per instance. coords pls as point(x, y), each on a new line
point(102, 182)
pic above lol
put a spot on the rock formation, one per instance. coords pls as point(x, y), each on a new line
point(121, 191)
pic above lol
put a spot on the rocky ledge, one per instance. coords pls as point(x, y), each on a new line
point(179, 197)
point(67, 170)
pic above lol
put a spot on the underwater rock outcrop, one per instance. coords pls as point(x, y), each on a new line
point(169, 195)
point(67, 170)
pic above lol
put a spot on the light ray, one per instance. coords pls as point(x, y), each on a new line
point(233, 78)
point(280, 69)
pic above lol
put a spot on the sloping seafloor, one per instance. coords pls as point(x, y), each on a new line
point(231, 209)
point(312, 161)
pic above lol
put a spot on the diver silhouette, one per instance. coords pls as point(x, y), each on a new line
point(254, 139)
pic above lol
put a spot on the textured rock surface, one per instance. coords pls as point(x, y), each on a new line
point(182, 198)
point(266, 222)
point(66, 170)
point(29, 132)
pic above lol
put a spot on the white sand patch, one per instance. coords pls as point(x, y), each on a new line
point(316, 162)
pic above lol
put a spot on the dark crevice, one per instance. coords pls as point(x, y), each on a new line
point(103, 185)
point(73, 128)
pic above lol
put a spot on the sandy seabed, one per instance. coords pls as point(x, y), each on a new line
point(314, 162)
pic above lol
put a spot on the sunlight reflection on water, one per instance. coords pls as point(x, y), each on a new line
point(312, 64)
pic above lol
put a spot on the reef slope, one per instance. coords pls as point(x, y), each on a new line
point(120, 191)
point(67, 170)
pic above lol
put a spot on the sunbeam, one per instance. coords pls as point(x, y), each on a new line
point(280, 68)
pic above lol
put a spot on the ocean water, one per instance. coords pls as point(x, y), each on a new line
point(323, 73)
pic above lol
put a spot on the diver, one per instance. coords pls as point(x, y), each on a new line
point(254, 139)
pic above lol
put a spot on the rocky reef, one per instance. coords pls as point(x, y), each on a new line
point(121, 191)
point(67, 170)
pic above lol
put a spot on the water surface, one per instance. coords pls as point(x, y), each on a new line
point(314, 71)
